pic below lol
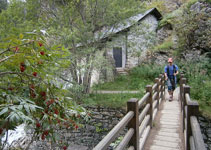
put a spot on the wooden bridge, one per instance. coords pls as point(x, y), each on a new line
point(154, 123)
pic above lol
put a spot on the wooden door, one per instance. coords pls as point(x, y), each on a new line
point(117, 53)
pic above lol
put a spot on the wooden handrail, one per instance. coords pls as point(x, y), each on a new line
point(193, 135)
point(114, 132)
point(143, 113)
point(137, 124)
point(143, 100)
point(126, 139)
point(197, 136)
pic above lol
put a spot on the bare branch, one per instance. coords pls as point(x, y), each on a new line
point(4, 59)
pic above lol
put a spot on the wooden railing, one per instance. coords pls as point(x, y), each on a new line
point(138, 124)
point(190, 111)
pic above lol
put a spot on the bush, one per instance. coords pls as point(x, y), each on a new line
point(198, 75)
point(147, 72)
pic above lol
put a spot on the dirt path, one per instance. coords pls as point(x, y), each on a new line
point(114, 92)
point(166, 133)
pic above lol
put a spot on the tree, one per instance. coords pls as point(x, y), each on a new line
point(29, 92)
point(3, 5)
point(75, 24)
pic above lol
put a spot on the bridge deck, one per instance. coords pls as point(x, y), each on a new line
point(166, 133)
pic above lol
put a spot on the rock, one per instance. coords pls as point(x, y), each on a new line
point(77, 147)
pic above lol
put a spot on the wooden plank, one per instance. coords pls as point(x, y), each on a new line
point(168, 134)
point(156, 147)
point(169, 139)
point(166, 143)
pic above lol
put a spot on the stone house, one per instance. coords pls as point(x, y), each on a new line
point(126, 43)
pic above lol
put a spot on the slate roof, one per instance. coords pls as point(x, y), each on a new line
point(122, 26)
point(125, 24)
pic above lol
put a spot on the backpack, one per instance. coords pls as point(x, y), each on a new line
point(172, 80)
point(174, 70)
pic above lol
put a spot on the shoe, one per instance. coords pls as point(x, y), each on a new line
point(170, 98)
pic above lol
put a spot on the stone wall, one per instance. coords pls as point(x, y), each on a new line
point(101, 122)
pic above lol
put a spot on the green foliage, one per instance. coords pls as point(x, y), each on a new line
point(116, 142)
point(147, 71)
point(28, 93)
point(208, 1)
point(159, 4)
point(137, 79)
point(190, 3)
point(110, 100)
point(170, 18)
point(198, 74)
point(3, 5)
point(165, 46)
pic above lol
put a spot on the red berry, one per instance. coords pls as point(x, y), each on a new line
point(45, 132)
point(43, 137)
point(35, 74)
point(1, 130)
point(38, 125)
point(22, 68)
point(43, 93)
point(22, 64)
point(10, 88)
point(56, 111)
point(47, 103)
point(65, 147)
point(16, 48)
point(33, 95)
point(40, 44)
point(42, 53)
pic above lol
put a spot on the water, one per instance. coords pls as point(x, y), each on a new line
point(15, 135)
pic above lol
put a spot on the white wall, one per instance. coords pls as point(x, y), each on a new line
point(140, 38)
point(118, 41)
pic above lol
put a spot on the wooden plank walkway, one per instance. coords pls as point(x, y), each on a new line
point(166, 133)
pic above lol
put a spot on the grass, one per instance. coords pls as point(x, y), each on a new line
point(165, 46)
point(137, 80)
point(123, 83)
point(111, 100)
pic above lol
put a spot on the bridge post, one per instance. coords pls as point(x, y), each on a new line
point(183, 102)
point(158, 91)
point(150, 112)
point(161, 86)
point(181, 83)
point(132, 105)
point(192, 110)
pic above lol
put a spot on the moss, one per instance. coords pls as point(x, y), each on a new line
point(190, 3)
point(165, 46)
